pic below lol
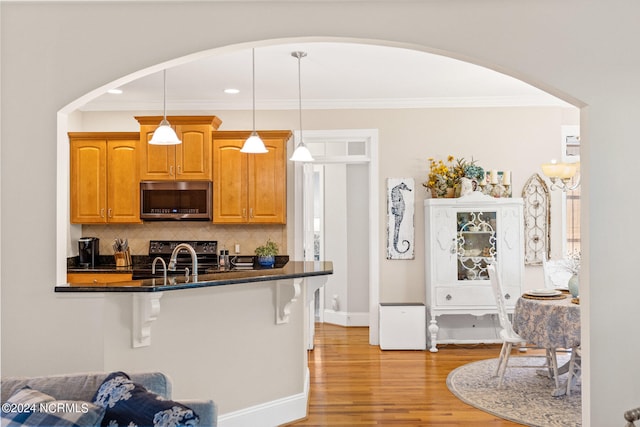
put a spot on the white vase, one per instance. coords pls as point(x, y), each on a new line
point(573, 285)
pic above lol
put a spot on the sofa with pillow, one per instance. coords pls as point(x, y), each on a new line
point(86, 399)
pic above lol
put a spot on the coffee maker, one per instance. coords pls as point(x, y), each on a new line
point(88, 251)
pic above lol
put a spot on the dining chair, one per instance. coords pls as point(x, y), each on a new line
point(556, 275)
point(510, 337)
point(575, 368)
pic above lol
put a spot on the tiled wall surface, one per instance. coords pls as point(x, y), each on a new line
point(247, 236)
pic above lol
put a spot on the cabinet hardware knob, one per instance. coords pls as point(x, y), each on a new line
point(448, 297)
point(171, 170)
point(102, 213)
point(244, 212)
point(109, 212)
point(179, 170)
point(507, 296)
point(250, 212)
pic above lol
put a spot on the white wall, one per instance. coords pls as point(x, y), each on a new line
point(221, 343)
point(346, 230)
point(585, 51)
point(335, 234)
point(358, 240)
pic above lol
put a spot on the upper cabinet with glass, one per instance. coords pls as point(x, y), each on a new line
point(462, 237)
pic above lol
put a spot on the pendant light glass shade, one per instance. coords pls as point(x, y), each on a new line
point(254, 144)
point(164, 134)
point(301, 153)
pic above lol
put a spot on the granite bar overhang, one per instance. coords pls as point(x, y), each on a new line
point(293, 269)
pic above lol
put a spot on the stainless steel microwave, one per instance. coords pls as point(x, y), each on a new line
point(176, 200)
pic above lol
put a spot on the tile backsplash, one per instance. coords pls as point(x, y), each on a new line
point(247, 236)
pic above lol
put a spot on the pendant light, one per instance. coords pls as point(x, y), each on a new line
point(301, 153)
point(254, 144)
point(164, 134)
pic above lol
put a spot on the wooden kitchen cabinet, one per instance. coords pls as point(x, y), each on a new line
point(104, 171)
point(190, 160)
point(98, 278)
point(249, 188)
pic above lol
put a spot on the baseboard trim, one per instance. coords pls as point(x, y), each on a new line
point(270, 414)
point(344, 318)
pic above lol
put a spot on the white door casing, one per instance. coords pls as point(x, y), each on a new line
point(366, 153)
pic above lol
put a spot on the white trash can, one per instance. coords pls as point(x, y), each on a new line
point(403, 326)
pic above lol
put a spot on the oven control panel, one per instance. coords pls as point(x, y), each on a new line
point(166, 247)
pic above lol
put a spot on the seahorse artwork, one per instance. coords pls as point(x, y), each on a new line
point(400, 218)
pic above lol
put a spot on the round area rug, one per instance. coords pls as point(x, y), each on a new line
point(525, 396)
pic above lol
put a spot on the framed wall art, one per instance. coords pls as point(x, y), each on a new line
point(400, 218)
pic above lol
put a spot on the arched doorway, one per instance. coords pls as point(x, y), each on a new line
point(374, 286)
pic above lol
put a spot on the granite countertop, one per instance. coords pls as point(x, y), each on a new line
point(292, 269)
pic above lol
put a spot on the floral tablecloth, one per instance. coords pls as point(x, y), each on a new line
point(548, 323)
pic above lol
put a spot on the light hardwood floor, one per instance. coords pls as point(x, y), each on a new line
point(356, 384)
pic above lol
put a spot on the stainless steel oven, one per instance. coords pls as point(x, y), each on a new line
point(176, 200)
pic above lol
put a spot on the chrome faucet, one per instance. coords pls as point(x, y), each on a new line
point(194, 258)
point(164, 267)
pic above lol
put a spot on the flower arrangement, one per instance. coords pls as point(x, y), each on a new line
point(445, 175)
point(441, 176)
point(572, 262)
point(471, 170)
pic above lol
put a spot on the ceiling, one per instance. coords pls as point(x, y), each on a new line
point(333, 76)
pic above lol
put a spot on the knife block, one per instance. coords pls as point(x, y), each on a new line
point(123, 259)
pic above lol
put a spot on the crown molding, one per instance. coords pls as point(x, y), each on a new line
point(334, 104)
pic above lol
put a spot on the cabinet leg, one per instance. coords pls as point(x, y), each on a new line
point(433, 333)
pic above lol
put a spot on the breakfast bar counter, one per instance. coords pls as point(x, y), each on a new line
point(291, 270)
point(207, 331)
point(288, 283)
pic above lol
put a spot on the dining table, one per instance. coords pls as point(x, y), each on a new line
point(549, 322)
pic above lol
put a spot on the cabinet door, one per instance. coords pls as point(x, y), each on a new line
point(477, 242)
point(230, 182)
point(157, 162)
point(510, 238)
point(123, 190)
point(443, 246)
point(193, 156)
point(267, 178)
point(88, 181)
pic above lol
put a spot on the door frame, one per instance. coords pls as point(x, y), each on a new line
point(302, 218)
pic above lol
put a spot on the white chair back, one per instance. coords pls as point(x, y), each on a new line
point(496, 284)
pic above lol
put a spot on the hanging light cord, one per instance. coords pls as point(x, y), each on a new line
point(300, 95)
point(253, 82)
point(164, 95)
point(300, 55)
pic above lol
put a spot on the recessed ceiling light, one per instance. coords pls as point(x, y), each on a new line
point(231, 91)
point(115, 91)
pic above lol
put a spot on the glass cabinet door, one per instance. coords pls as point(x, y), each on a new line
point(476, 244)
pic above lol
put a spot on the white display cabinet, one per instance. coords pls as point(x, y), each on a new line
point(462, 236)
